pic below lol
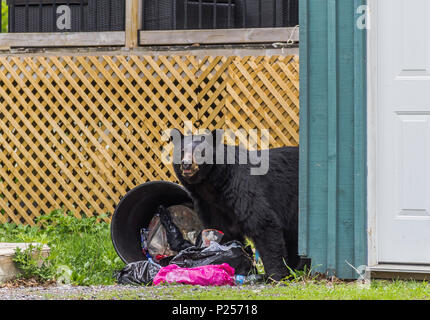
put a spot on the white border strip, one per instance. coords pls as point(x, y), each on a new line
point(372, 81)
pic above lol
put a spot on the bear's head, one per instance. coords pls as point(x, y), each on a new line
point(194, 155)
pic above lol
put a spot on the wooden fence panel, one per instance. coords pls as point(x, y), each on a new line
point(263, 93)
point(80, 131)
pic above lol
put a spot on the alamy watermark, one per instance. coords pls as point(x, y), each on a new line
point(64, 17)
point(363, 20)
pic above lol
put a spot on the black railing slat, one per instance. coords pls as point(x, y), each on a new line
point(244, 14)
point(54, 15)
point(174, 14)
point(26, 23)
point(290, 12)
point(71, 22)
point(95, 16)
point(200, 14)
point(185, 14)
point(275, 14)
point(40, 16)
point(214, 11)
point(81, 10)
point(143, 14)
point(12, 18)
point(110, 13)
point(229, 14)
point(260, 14)
point(158, 14)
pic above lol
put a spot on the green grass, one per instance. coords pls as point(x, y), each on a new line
point(320, 290)
point(82, 254)
point(81, 249)
point(4, 17)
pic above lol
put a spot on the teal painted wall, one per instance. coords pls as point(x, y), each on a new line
point(332, 219)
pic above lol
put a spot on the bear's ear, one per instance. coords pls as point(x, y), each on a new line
point(176, 135)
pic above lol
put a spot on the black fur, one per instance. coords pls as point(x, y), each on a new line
point(262, 207)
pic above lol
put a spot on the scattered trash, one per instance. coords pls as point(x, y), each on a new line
point(257, 255)
point(187, 221)
point(179, 250)
point(160, 257)
point(232, 253)
point(170, 231)
point(249, 280)
point(157, 239)
point(209, 275)
point(137, 273)
point(165, 261)
point(206, 236)
point(174, 236)
point(144, 242)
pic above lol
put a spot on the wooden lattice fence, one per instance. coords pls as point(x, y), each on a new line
point(79, 131)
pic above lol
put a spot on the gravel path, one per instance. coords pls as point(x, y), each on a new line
point(67, 292)
point(125, 292)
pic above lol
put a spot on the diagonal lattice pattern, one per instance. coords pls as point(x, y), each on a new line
point(263, 93)
point(80, 131)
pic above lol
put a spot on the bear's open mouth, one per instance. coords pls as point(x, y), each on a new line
point(189, 172)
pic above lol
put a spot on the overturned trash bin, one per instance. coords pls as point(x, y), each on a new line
point(136, 210)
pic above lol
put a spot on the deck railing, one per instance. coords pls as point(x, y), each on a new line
point(133, 23)
point(218, 14)
point(65, 15)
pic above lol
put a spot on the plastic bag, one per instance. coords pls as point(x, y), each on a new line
point(206, 236)
point(174, 236)
point(144, 242)
point(171, 230)
point(232, 253)
point(210, 275)
point(140, 272)
point(187, 221)
point(157, 239)
point(210, 235)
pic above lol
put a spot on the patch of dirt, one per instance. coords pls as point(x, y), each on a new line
point(28, 283)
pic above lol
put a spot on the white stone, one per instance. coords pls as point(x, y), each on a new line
point(8, 270)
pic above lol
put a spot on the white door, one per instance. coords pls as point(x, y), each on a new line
point(403, 131)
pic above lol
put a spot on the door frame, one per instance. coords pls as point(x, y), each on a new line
point(372, 102)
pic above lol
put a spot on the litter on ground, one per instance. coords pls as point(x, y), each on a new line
point(179, 250)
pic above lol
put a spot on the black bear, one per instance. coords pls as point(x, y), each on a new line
point(228, 197)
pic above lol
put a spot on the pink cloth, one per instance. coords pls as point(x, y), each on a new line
point(209, 275)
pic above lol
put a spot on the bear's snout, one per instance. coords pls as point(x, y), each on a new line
point(188, 168)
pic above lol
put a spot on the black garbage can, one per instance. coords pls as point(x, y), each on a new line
point(136, 210)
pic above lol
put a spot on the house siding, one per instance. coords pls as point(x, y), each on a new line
point(332, 219)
